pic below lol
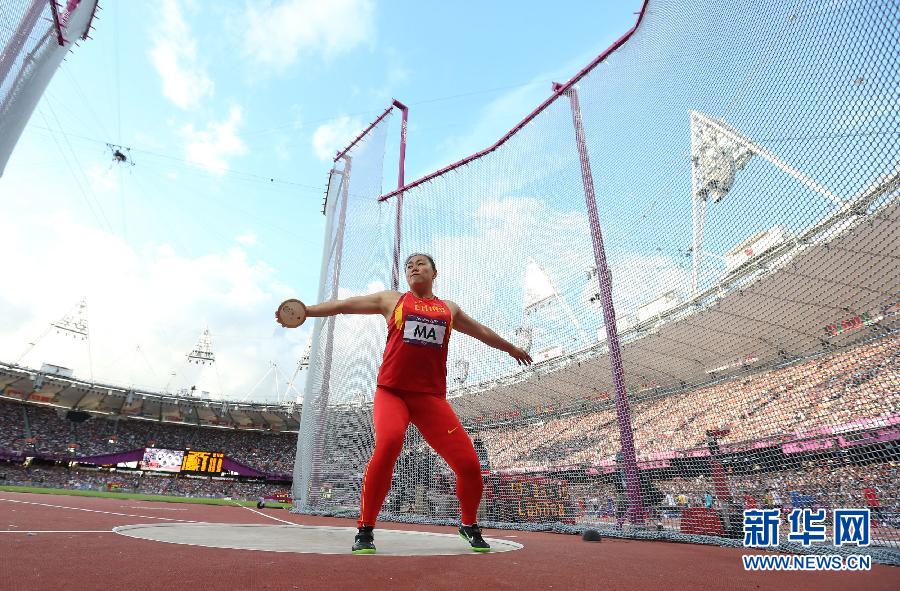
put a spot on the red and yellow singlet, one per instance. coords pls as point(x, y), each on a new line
point(415, 357)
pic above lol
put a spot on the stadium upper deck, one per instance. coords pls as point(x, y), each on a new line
point(19, 383)
point(758, 316)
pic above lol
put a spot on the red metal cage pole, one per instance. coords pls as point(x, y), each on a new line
point(401, 175)
point(363, 133)
point(57, 24)
point(395, 274)
point(626, 435)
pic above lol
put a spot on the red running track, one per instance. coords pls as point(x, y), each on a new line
point(105, 560)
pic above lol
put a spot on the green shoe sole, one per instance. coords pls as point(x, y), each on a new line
point(466, 540)
point(365, 551)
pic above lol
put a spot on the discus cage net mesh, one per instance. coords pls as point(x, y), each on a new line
point(35, 36)
point(745, 165)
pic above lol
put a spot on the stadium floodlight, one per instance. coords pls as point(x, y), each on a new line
point(540, 292)
point(592, 288)
point(202, 352)
point(75, 323)
point(304, 359)
point(539, 288)
point(524, 338)
point(716, 159)
point(302, 364)
point(718, 153)
point(462, 371)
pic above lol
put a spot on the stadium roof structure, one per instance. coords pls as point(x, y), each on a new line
point(57, 391)
point(757, 316)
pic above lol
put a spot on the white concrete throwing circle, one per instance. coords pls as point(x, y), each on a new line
point(305, 539)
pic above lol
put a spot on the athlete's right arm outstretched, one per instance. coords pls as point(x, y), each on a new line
point(381, 302)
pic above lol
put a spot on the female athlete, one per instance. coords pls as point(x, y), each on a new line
point(412, 387)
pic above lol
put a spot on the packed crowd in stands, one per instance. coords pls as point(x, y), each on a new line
point(861, 383)
point(858, 385)
point(825, 485)
point(45, 476)
point(815, 485)
point(38, 430)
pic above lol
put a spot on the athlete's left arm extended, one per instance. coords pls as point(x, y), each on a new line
point(468, 325)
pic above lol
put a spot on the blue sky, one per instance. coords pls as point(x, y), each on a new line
point(231, 112)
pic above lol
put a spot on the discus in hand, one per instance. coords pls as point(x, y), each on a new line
point(291, 313)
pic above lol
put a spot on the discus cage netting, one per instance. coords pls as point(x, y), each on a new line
point(35, 36)
point(745, 166)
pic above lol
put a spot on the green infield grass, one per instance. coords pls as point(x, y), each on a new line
point(137, 496)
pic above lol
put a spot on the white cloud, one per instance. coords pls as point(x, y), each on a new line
point(211, 147)
point(174, 55)
point(330, 137)
point(278, 34)
point(297, 115)
point(102, 179)
point(150, 296)
point(248, 238)
point(281, 147)
point(397, 74)
point(496, 118)
point(499, 115)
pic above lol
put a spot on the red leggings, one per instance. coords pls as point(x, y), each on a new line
point(439, 425)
